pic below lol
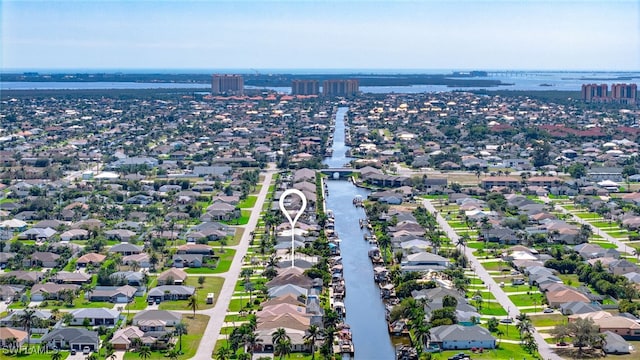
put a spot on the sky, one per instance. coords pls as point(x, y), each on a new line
point(366, 34)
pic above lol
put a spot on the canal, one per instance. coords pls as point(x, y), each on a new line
point(365, 311)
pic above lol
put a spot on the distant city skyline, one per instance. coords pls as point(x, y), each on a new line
point(360, 35)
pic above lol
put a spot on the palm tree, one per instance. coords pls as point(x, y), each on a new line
point(192, 303)
point(109, 354)
point(26, 319)
point(223, 353)
point(279, 335)
point(244, 356)
point(249, 287)
point(250, 340)
point(312, 336)
point(282, 348)
point(499, 333)
point(173, 354)
point(144, 353)
point(56, 355)
point(180, 329)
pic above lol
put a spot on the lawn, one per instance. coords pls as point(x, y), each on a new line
point(604, 244)
point(495, 265)
point(527, 299)
point(547, 320)
point(505, 351)
point(223, 264)
point(139, 303)
point(212, 284)
point(492, 309)
point(569, 279)
point(190, 342)
point(248, 203)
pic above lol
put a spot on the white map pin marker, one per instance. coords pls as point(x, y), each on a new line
point(295, 219)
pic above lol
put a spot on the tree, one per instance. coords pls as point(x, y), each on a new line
point(492, 324)
point(201, 280)
point(192, 303)
point(312, 336)
point(278, 335)
point(144, 352)
point(577, 170)
point(26, 320)
point(180, 329)
point(449, 301)
point(173, 354)
point(583, 332)
point(223, 353)
point(56, 355)
point(282, 348)
point(249, 287)
point(250, 340)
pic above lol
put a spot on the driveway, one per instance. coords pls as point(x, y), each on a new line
point(502, 298)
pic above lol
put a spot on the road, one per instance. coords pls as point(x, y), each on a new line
point(621, 247)
point(219, 311)
point(543, 347)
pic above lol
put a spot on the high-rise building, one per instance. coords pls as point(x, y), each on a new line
point(227, 84)
point(305, 87)
point(624, 93)
point(594, 92)
point(340, 87)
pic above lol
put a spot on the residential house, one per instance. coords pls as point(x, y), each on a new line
point(187, 260)
point(627, 328)
point(424, 261)
point(132, 278)
point(615, 344)
point(126, 249)
point(458, 337)
point(74, 234)
point(170, 318)
point(119, 295)
point(556, 298)
point(11, 292)
point(44, 259)
point(76, 338)
point(95, 316)
point(171, 292)
point(10, 337)
point(90, 258)
point(66, 277)
point(623, 266)
point(49, 291)
point(172, 276)
point(141, 259)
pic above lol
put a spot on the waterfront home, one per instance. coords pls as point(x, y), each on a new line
point(187, 260)
point(555, 298)
point(132, 278)
point(578, 307)
point(141, 259)
point(424, 261)
point(44, 259)
point(629, 329)
point(458, 337)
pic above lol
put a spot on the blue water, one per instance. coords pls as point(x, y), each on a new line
point(520, 80)
point(365, 311)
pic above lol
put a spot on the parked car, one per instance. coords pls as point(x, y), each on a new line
point(460, 356)
point(86, 350)
point(548, 311)
point(73, 351)
point(506, 321)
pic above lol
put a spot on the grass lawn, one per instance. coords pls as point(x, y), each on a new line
point(505, 351)
point(569, 279)
point(496, 265)
point(547, 320)
point(604, 244)
point(139, 303)
point(190, 342)
point(223, 264)
point(212, 284)
point(492, 309)
point(527, 299)
point(248, 203)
